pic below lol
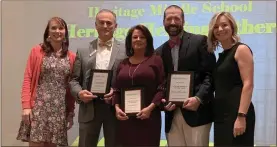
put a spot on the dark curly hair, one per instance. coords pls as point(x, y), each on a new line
point(149, 39)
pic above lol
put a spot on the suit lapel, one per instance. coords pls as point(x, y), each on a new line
point(92, 55)
point(167, 58)
point(184, 46)
point(115, 50)
point(166, 52)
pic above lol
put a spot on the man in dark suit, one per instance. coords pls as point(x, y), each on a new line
point(104, 53)
point(190, 124)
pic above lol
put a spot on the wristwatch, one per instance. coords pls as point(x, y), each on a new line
point(241, 114)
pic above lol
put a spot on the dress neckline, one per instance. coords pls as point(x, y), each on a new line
point(229, 49)
point(135, 64)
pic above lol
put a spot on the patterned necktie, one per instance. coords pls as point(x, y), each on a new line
point(108, 44)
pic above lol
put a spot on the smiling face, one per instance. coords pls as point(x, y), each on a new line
point(56, 31)
point(105, 25)
point(173, 21)
point(222, 29)
point(139, 42)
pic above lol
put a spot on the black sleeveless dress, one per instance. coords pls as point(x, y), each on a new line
point(228, 88)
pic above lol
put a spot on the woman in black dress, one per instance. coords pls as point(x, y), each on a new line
point(234, 114)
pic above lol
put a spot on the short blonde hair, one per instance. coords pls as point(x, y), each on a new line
point(212, 41)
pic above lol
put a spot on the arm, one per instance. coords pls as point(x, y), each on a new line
point(116, 88)
point(70, 101)
point(159, 72)
point(120, 115)
point(77, 78)
point(207, 63)
point(159, 82)
point(28, 75)
point(245, 62)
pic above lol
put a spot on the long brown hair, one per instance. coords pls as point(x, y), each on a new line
point(46, 46)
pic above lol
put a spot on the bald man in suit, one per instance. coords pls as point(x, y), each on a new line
point(104, 53)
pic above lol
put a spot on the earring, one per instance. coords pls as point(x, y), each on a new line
point(64, 40)
point(48, 39)
point(131, 51)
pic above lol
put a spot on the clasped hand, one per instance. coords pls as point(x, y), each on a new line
point(143, 114)
point(87, 96)
point(190, 104)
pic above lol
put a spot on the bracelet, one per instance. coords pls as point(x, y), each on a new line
point(241, 114)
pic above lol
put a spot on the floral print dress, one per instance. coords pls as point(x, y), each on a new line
point(48, 122)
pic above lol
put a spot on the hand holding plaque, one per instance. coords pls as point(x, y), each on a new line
point(100, 81)
point(120, 115)
point(132, 100)
point(179, 86)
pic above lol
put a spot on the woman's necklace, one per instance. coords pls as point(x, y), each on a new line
point(132, 75)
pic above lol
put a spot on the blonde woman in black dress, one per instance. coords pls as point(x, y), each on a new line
point(234, 114)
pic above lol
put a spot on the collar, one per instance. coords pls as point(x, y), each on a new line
point(108, 43)
point(173, 42)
